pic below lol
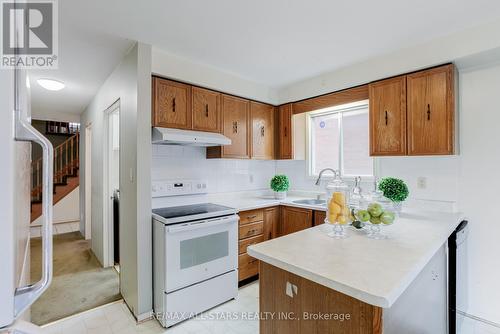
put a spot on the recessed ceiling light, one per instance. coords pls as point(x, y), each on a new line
point(51, 84)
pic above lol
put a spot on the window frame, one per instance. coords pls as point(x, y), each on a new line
point(339, 109)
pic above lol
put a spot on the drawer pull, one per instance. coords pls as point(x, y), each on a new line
point(206, 110)
point(252, 217)
point(253, 261)
point(386, 118)
point(428, 112)
point(173, 105)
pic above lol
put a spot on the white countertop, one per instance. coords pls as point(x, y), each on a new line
point(374, 271)
point(244, 203)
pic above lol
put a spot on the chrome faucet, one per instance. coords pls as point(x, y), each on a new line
point(335, 173)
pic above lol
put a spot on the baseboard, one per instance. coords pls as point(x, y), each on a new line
point(473, 317)
point(56, 223)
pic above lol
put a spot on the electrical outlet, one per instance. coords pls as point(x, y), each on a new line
point(421, 182)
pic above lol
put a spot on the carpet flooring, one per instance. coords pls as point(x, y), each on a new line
point(79, 282)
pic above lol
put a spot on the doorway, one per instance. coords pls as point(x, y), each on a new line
point(112, 186)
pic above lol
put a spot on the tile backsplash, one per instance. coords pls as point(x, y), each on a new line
point(222, 175)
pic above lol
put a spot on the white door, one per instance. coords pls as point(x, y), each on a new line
point(88, 181)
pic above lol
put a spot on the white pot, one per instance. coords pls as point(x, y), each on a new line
point(281, 195)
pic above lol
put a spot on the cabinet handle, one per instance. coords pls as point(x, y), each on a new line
point(173, 105)
point(262, 131)
point(286, 131)
point(251, 217)
point(386, 118)
point(428, 112)
point(235, 127)
point(206, 110)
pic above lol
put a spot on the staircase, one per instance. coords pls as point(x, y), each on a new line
point(66, 178)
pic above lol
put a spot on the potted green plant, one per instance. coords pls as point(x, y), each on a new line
point(394, 189)
point(280, 184)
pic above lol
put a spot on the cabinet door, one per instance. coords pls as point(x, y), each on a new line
point(294, 220)
point(271, 222)
point(285, 131)
point(431, 111)
point(262, 118)
point(388, 117)
point(171, 104)
point(235, 126)
point(206, 110)
point(319, 217)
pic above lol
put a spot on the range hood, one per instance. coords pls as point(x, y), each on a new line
point(169, 136)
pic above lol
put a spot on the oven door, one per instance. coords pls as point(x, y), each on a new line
point(199, 250)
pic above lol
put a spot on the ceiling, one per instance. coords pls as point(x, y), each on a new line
point(274, 43)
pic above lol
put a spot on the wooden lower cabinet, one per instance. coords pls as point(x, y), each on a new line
point(319, 217)
point(294, 219)
point(255, 226)
point(297, 310)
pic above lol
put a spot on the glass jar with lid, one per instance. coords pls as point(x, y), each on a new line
point(338, 212)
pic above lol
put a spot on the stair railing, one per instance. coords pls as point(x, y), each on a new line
point(66, 163)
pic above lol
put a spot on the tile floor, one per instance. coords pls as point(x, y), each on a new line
point(59, 228)
point(115, 318)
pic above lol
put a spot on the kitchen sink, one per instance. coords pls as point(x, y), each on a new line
point(310, 201)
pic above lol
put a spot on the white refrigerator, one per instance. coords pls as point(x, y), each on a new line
point(16, 136)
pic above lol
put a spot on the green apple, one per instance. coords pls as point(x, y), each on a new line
point(375, 220)
point(387, 218)
point(375, 209)
point(363, 215)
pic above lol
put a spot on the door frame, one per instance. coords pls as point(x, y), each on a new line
point(107, 218)
point(88, 182)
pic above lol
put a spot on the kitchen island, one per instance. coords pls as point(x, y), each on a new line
point(311, 283)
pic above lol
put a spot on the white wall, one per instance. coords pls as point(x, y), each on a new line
point(130, 82)
point(66, 210)
point(174, 67)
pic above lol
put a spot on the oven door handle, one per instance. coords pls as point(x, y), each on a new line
point(201, 224)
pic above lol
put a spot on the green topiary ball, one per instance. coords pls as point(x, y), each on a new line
point(280, 183)
point(394, 189)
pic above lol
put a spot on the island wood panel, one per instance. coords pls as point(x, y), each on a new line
point(431, 108)
point(388, 117)
point(294, 219)
point(310, 298)
point(206, 110)
point(171, 104)
point(350, 95)
point(262, 130)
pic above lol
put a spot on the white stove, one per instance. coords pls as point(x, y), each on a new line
point(195, 260)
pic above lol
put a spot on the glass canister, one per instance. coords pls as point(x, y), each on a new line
point(338, 212)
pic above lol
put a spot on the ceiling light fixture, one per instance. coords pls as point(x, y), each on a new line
point(51, 84)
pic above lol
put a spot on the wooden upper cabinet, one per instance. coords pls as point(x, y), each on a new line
point(171, 104)
point(294, 219)
point(262, 127)
point(431, 108)
point(285, 114)
point(388, 117)
point(206, 110)
point(235, 114)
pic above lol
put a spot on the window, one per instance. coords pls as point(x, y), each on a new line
point(339, 139)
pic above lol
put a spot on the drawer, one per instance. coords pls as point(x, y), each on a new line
point(243, 244)
point(247, 266)
point(250, 230)
point(251, 216)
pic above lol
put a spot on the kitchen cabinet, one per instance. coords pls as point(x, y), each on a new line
point(414, 114)
point(285, 144)
point(431, 105)
point(319, 217)
point(271, 222)
point(206, 110)
point(294, 219)
point(388, 117)
point(262, 130)
point(171, 104)
point(235, 126)
point(255, 226)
